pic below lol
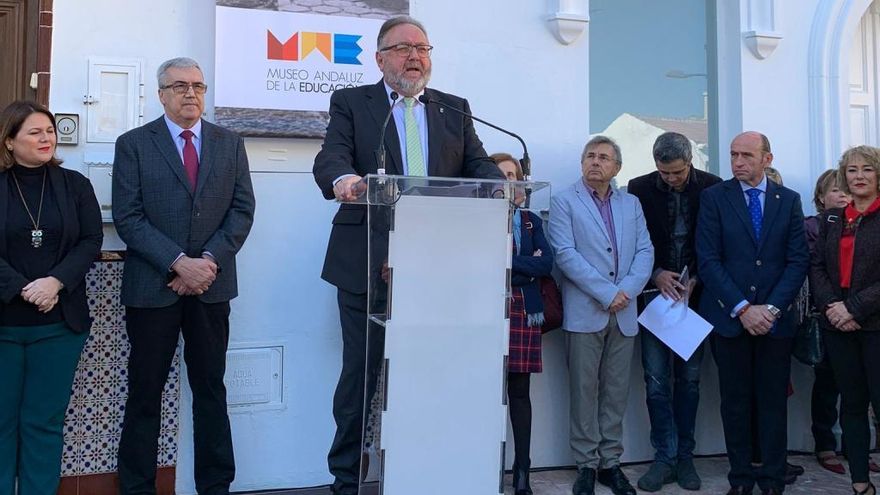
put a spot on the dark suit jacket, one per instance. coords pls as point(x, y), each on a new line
point(863, 299)
point(356, 116)
point(81, 238)
point(654, 204)
point(734, 266)
point(158, 217)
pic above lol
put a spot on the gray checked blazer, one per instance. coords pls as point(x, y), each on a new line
point(158, 217)
point(586, 260)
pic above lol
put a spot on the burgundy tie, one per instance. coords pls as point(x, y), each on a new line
point(190, 158)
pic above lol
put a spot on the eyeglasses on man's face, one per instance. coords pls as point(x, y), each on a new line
point(404, 49)
point(603, 158)
point(182, 88)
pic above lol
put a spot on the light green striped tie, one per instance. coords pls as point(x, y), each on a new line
point(414, 159)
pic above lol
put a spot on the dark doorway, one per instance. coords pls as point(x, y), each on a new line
point(19, 29)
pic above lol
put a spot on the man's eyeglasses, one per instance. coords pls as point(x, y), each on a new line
point(180, 88)
point(404, 49)
point(602, 157)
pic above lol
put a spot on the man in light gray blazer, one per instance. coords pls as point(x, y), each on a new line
point(604, 252)
point(183, 204)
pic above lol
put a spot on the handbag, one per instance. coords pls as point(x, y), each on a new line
point(808, 347)
point(550, 294)
point(552, 299)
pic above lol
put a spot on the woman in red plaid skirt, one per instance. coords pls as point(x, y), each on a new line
point(532, 259)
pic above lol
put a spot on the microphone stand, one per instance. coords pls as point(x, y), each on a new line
point(525, 162)
point(380, 151)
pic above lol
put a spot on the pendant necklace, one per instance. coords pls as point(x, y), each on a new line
point(36, 232)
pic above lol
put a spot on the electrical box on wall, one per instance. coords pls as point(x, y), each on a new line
point(67, 127)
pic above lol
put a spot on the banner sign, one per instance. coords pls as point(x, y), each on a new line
point(274, 71)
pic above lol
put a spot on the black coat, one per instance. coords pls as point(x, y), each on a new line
point(81, 239)
point(863, 300)
point(654, 204)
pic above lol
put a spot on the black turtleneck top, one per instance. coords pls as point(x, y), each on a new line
point(31, 262)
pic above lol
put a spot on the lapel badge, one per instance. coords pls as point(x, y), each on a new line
point(777, 196)
point(441, 109)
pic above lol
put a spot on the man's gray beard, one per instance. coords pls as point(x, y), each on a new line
point(410, 87)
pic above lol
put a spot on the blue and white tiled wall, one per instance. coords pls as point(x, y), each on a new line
point(100, 386)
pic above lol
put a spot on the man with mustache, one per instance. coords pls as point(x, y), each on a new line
point(183, 204)
point(421, 140)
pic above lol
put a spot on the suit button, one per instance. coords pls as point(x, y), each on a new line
point(752, 288)
point(611, 273)
point(195, 213)
point(758, 262)
point(609, 250)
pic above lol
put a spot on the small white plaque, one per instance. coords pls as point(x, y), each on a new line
point(253, 376)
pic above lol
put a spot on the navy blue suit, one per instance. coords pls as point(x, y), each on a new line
point(753, 372)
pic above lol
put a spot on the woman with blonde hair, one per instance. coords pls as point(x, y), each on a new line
point(845, 282)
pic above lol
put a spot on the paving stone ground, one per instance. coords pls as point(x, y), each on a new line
point(713, 470)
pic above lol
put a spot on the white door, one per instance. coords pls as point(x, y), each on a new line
point(863, 78)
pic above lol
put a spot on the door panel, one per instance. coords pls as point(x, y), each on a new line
point(19, 23)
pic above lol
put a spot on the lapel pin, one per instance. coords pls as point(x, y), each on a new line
point(777, 196)
point(441, 109)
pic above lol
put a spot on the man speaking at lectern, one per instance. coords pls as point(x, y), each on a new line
point(421, 140)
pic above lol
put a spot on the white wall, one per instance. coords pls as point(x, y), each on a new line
point(777, 95)
point(503, 58)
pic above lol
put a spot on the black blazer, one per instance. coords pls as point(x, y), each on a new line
point(654, 204)
point(81, 238)
point(863, 300)
point(356, 116)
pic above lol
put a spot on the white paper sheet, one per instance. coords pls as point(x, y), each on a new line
point(676, 325)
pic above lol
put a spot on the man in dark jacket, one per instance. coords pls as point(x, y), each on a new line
point(670, 197)
point(421, 140)
point(753, 259)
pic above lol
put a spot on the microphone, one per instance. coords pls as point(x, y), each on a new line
point(380, 151)
point(525, 162)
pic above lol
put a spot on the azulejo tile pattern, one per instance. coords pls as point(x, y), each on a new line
point(100, 385)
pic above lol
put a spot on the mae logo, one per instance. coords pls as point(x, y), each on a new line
point(336, 48)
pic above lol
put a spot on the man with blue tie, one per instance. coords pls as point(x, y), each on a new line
point(753, 258)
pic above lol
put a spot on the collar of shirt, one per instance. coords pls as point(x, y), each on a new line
point(419, 111)
point(762, 186)
point(400, 97)
point(179, 142)
point(595, 194)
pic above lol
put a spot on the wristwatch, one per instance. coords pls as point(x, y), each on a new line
point(774, 310)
